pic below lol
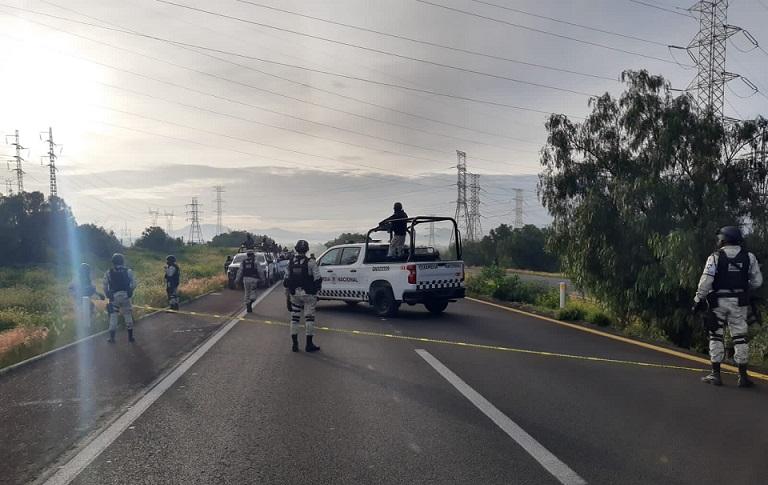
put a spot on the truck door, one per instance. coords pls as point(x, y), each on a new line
point(328, 263)
point(348, 275)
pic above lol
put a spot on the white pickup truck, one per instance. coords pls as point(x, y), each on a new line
point(363, 272)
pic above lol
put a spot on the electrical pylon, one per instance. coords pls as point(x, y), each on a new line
point(193, 216)
point(462, 210)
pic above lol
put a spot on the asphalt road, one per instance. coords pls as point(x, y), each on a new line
point(48, 407)
point(370, 409)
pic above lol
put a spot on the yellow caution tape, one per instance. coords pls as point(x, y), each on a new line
point(454, 343)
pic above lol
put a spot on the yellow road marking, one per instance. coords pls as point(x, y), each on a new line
point(473, 345)
point(627, 340)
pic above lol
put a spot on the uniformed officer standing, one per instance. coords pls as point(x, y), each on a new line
point(302, 282)
point(248, 274)
point(398, 229)
point(119, 284)
point(172, 280)
point(729, 275)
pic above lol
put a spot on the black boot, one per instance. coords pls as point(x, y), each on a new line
point(130, 336)
point(311, 347)
point(295, 339)
point(744, 380)
point(714, 377)
point(111, 338)
point(249, 307)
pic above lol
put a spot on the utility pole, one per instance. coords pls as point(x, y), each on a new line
point(518, 209)
point(474, 207)
point(193, 216)
point(154, 214)
point(707, 50)
point(19, 159)
point(219, 212)
point(168, 222)
point(462, 211)
point(54, 192)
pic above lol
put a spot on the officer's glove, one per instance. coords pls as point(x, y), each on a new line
point(699, 306)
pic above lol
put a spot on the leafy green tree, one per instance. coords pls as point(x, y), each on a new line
point(637, 191)
point(522, 248)
point(97, 241)
point(230, 239)
point(155, 239)
point(345, 238)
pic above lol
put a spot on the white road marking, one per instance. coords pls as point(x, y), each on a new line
point(79, 462)
point(550, 462)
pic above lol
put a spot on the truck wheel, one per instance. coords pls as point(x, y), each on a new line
point(436, 307)
point(384, 303)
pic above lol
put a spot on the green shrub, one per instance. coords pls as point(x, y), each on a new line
point(571, 313)
point(549, 299)
point(598, 317)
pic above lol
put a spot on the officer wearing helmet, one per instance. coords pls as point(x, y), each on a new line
point(119, 285)
point(398, 229)
point(302, 282)
point(172, 279)
point(248, 275)
point(729, 275)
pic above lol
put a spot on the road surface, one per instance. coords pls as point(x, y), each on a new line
point(376, 406)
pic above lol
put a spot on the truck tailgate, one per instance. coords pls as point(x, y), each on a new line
point(443, 274)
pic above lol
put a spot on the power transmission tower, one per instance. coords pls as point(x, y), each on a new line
point(193, 216)
point(8, 186)
point(54, 192)
point(462, 211)
point(154, 214)
point(219, 212)
point(518, 209)
point(707, 50)
point(19, 160)
point(125, 235)
point(168, 222)
point(474, 207)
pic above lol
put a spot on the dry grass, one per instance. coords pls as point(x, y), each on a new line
point(21, 337)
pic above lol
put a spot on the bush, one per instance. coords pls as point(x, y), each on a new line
point(571, 313)
point(549, 299)
point(598, 318)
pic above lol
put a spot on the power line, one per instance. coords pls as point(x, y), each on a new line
point(676, 12)
point(572, 24)
point(378, 51)
point(319, 71)
point(545, 32)
point(258, 88)
point(435, 44)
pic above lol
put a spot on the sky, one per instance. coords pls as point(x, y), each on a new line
point(313, 127)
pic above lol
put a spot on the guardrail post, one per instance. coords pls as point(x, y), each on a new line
point(562, 294)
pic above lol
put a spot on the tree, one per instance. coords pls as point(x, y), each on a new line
point(230, 239)
point(637, 191)
point(96, 240)
point(345, 238)
point(155, 239)
point(522, 248)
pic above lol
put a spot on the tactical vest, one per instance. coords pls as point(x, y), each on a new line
point(119, 280)
point(299, 275)
point(732, 275)
point(173, 280)
point(249, 268)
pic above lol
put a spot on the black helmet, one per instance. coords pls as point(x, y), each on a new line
point(729, 235)
point(250, 254)
point(302, 246)
point(118, 259)
point(398, 206)
point(170, 259)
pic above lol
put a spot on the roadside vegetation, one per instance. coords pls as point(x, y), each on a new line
point(41, 246)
